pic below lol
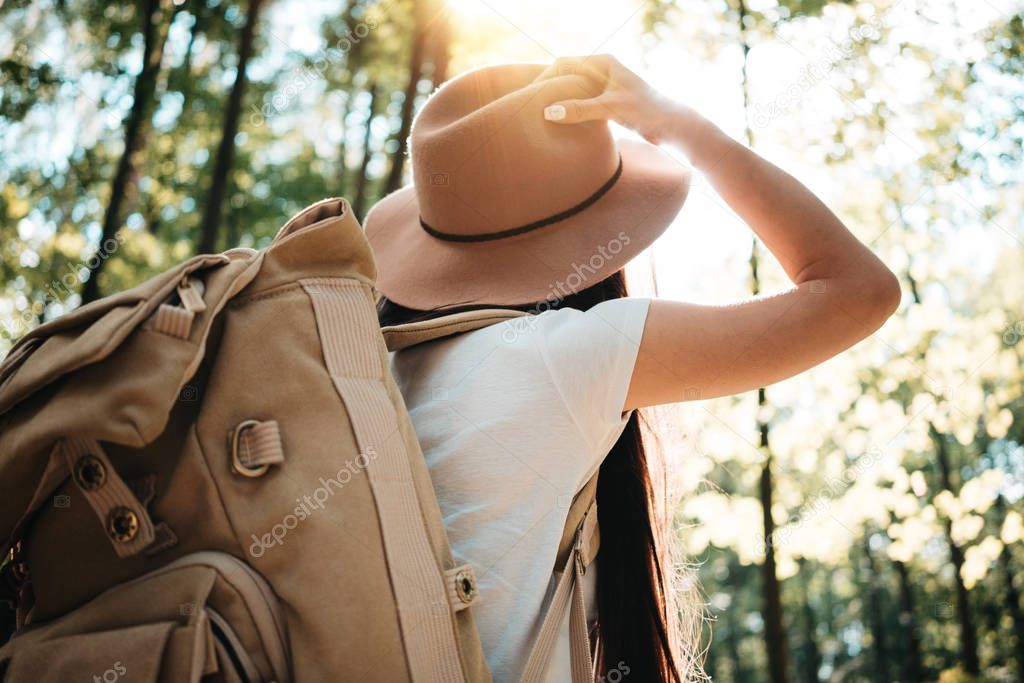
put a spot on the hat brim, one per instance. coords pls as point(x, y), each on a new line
point(417, 270)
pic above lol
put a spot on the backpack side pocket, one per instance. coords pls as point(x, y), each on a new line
point(207, 616)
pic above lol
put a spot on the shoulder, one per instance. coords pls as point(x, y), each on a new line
point(589, 357)
point(615, 320)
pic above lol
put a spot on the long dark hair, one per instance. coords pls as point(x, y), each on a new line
point(632, 580)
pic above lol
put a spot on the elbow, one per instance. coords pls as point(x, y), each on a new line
point(883, 295)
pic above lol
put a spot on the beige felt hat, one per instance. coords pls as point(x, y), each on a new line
point(509, 208)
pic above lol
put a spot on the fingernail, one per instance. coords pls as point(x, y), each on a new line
point(555, 112)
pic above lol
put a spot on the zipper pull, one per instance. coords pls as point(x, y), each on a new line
point(191, 294)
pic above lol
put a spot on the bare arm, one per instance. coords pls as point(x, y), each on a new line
point(842, 292)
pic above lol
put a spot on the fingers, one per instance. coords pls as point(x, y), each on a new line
point(577, 111)
point(548, 72)
point(596, 67)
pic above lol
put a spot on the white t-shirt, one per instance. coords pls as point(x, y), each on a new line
point(513, 420)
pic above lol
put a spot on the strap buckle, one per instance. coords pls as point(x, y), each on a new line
point(237, 466)
point(577, 550)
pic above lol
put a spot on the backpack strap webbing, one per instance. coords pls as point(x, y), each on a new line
point(568, 596)
point(581, 505)
point(577, 550)
point(408, 334)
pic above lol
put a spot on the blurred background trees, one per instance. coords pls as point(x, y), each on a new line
point(861, 522)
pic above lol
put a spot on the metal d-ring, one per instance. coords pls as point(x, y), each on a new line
point(237, 465)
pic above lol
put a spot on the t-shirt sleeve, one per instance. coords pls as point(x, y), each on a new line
point(590, 357)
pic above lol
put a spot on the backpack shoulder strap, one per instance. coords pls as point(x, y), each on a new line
point(572, 564)
point(582, 505)
point(409, 334)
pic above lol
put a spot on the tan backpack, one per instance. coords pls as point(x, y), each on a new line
point(212, 477)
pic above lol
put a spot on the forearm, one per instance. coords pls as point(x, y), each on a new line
point(808, 240)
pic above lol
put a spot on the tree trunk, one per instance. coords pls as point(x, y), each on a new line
point(343, 146)
point(1012, 594)
point(912, 669)
point(830, 608)
point(208, 229)
point(354, 54)
point(154, 37)
point(968, 636)
point(876, 616)
point(233, 232)
point(394, 179)
point(362, 182)
point(1013, 606)
point(183, 73)
point(733, 633)
point(775, 634)
point(812, 656)
point(186, 65)
point(353, 60)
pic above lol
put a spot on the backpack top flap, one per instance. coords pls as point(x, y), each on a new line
point(85, 335)
point(128, 402)
point(60, 351)
point(111, 370)
point(323, 240)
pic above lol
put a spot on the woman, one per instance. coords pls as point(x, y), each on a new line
point(523, 199)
